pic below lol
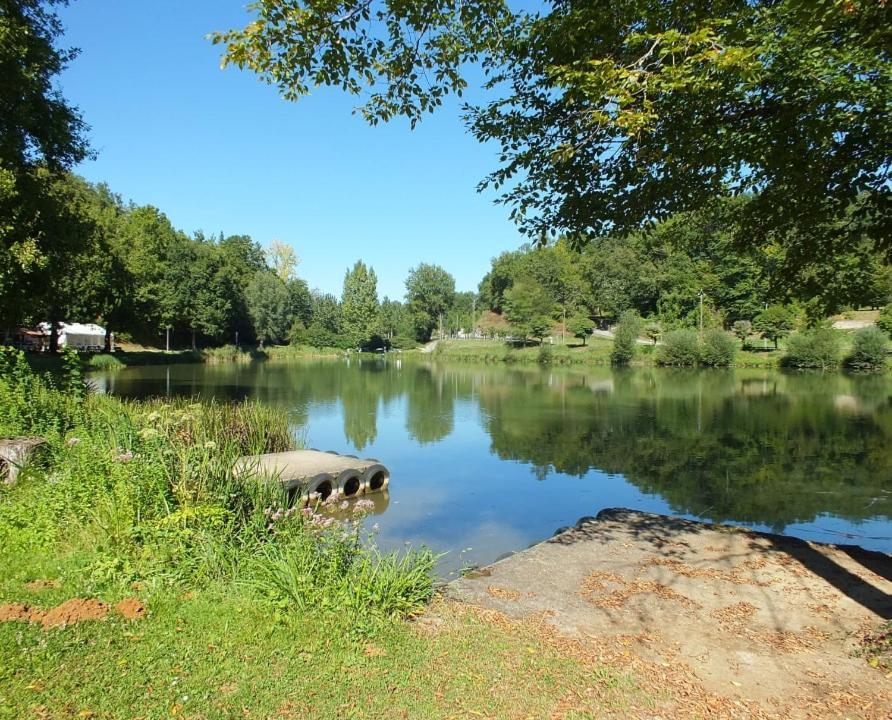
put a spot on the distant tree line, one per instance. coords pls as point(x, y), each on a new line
point(682, 270)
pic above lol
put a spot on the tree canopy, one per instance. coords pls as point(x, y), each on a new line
point(611, 115)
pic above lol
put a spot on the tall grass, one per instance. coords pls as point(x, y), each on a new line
point(146, 489)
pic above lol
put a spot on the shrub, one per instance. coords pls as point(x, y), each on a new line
point(225, 354)
point(625, 337)
point(742, 329)
point(680, 348)
point(545, 355)
point(818, 349)
point(104, 361)
point(870, 347)
point(884, 321)
point(718, 349)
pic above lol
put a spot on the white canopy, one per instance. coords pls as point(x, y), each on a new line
point(78, 335)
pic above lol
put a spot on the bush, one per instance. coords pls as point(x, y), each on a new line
point(104, 361)
point(718, 349)
point(545, 355)
point(884, 321)
point(225, 354)
point(625, 337)
point(680, 348)
point(870, 347)
point(819, 349)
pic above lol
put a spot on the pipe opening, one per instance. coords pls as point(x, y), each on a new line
point(376, 482)
point(352, 486)
point(292, 496)
point(324, 489)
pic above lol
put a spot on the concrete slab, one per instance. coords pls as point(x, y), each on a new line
point(753, 618)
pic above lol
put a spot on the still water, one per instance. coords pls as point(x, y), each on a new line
point(488, 460)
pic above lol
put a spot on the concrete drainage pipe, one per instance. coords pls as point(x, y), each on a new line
point(319, 488)
point(349, 484)
point(375, 478)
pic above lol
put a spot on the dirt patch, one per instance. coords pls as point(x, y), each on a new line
point(70, 612)
point(20, 612)
point(38, 585)
point(74, 611)
point(131, 609)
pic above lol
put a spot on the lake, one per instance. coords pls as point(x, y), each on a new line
point(486, 460)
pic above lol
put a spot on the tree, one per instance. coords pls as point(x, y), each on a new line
point(268, 303)
point(41, 136)
point(528, 307)
point(625, 338)
point(580, 326)
point(653, 330)
point(392, 318)
point(742, 329)
point(621, 112)
point(282, 259)
point(884, 320)
point(359, 305)
point(430, 293)
point(775, 322)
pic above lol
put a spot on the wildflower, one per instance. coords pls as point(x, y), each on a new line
point(124, 457)
point(148, 433)
point(153, 417)
point(363, 506)
point(344, 505)
point(267, 511)
point(71, 442)
point(210, 445)
point(376, 527)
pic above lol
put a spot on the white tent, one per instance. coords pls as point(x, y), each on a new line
point(80, 336)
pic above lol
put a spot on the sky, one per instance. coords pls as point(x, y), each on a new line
point(220, 151)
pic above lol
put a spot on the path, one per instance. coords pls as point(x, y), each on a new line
point(430, 347)
point(723, 623)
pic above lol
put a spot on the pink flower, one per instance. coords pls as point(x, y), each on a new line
point(124, 457)
point(71, 442)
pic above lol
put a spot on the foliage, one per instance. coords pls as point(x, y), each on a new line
point(625, 341)
point(282, 260)
point(718, 349)
point(430, 292)
point(528, 308)
point(104, 361)
point(653, 330)
point(884, 320)
point(870, 350)
point(789, 101)
point(359, 306)
point(742, 329)
point(268, 303)
point(817, 349)
point(680, 348)
point(41, 135)
point(152, 484)
point(581, 326)
point(775, 322)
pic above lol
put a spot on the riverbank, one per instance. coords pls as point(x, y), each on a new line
point(723, 622)
point(597, 351)
point(136, 574)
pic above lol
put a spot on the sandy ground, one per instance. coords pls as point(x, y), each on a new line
point(718, 622)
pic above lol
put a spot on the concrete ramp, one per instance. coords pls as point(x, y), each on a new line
point(310, 475)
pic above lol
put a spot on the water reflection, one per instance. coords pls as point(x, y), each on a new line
point(495, 457)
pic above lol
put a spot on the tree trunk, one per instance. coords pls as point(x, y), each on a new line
point(193, 338)
point(107, 344)
point(54, 337)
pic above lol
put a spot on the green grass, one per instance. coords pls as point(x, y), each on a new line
point(216, 655)
point(596, 352)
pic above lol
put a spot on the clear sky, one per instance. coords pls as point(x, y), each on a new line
point(220, 151)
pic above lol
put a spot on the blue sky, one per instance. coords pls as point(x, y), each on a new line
point(221, 151)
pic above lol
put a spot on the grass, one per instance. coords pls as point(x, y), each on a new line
point(596, 352)
point(251, 611)
point(214, 655)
